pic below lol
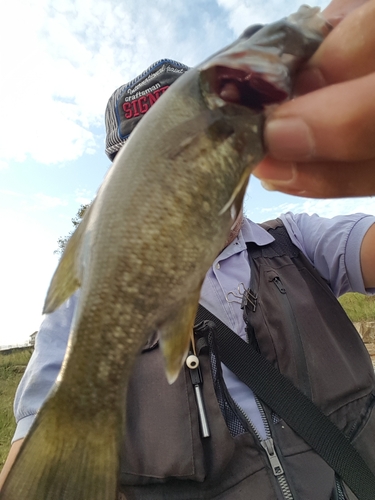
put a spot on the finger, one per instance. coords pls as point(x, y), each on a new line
point(334, 123)
point(318, 180)
point(347, 52)
point(337, 10)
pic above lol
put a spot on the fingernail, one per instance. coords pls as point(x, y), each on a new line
point(289, 139)
point(283, 187)
point(279, 187)
point(275, 175)
point(280, 180)
point(268, 186)
point(275, 171)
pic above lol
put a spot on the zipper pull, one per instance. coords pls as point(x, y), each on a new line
point(279, 284)
point(268, 445)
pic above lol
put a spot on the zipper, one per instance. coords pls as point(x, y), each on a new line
point(205, 328)
point(339, 490)
point(300, 358)
point(269, 447)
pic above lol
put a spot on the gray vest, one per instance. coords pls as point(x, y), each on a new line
point(300, 327)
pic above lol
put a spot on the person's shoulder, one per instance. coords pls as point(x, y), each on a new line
point(312, 222)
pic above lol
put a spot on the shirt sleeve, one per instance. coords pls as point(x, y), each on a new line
point(44, 366)
point(333, 247)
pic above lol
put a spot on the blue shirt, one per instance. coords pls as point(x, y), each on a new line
point(332, 246)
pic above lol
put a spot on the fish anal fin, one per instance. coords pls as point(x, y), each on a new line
point(236, 199)
point(175, 336)
point(68, 275)
point(65, 460)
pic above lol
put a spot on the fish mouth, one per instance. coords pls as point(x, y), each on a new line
point(243, 86)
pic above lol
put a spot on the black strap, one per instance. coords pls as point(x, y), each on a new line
point(290, 404)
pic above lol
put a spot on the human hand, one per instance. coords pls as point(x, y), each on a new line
point(322, 144)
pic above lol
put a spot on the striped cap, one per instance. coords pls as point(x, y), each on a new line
point(131, 101)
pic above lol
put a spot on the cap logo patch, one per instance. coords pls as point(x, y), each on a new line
point(141, 105)
point(131, 101)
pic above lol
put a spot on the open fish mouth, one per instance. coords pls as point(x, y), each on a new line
point(245, 79)
point(257, 70)
point(247, 88)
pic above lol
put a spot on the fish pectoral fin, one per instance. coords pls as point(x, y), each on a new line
point(68, 275)
point(236, 199)
point(175, 337)
point(65, 460)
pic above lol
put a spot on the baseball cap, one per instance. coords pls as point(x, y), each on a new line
point(131, 101)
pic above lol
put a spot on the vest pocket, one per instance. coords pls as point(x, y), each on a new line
point(162, 436)
point(306, 332)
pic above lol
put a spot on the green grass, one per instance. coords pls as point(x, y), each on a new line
point(359, 307)
point(12, 367)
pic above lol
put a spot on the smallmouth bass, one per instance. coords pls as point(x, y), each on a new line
point(139, 257)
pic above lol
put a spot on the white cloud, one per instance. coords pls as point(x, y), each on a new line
point(9, 192)
point(84, 196)
point(58, 76)
point(43, 201)
point(26, 266)
point(243, 13)
point(33, 202)
point(32, 121)
point(325, 208)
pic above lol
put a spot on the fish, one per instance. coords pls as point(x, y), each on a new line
point(140, 255)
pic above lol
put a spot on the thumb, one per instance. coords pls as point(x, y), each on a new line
point(335, 123)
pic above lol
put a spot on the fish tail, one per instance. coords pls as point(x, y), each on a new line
point(63, 460)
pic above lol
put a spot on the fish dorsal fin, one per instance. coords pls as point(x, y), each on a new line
point(68, 275)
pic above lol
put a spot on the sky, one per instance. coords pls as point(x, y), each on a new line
point(60, 61)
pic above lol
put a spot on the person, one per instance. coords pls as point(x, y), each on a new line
point(313, 152)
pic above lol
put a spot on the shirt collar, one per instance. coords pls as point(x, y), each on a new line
point(253, 233)
point(250, 233)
